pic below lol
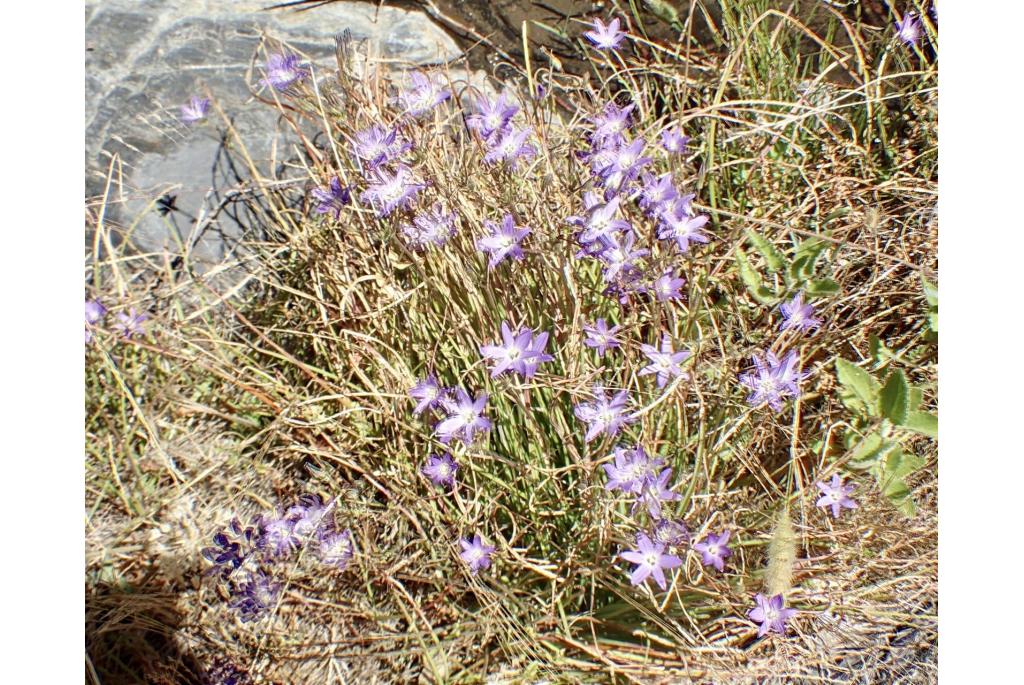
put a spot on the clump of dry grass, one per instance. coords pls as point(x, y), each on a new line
point(294, 380)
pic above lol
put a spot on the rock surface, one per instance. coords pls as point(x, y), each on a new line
point(145, 58)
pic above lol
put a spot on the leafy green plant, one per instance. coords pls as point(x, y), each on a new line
point(886, 414)
point(796, 273)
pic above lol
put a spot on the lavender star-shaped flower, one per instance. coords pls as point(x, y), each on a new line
point(612, 122)
point(624, 164)
point(668, 287)
point(679, 224)
point(656, 490)
point(664, 362)
point(602, 338)
point(650, 560)
point(604, 415)
point(336, 548)
point(308, 517)
point(514, 352)
point(433, 228)
point(425, 93)
point(375, 146)
point(195, 110)
point(909, 29)
point(277, 535)
point(836, 495)
point(129, 323)
point(502, 241)
point(94, 311)
point(476, 554)
point(465, 418)
point(441, 469)
point(657, 194)
point(771, 380)
point(620, 258)
point(510, 147)
point(427, 393)
point(798, 316)
point(673, 141)
point(771, 614)
point(283, 71)
point(631, 470)
point(601, 224)
point(331, 199)
point(390, 191)
point(492, 116)
point(714, 549)
point(605, 37)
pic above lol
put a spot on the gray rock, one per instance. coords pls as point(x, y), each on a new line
point(145, 58)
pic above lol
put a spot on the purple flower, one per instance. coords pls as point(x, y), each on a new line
point(657, 193)
point(432, 228)
point(94, 311)
point(612, 122)
point(331, 199)
point(771, 614)
point(664, 362)
point(195, 110)
point(713, 550)
point(604, 415)
point(476, 554)
point(623, 165)
point(631, 471)
point(668, 287)
point(673, 141)
point(650, 559)
point(336, 548)
point(502, 241)
point(909, 29)
point(619, 257)
point(602, 338)
point(797, 315)
point(492, 116)
point(519, 352)
point(255, 597)
point(277, 535)
point(655, 491)
point(671, 532)
point(375, 146)
point(425, 93)
point(465, 418)
point(771, 381)
point(601, 224)
point(510, 147)
point(605, 37)
point(283, 71)
point(232, 546)
point(308, 517)
point(428, 394)
point(836, 495)
point(441, 470)
point(678, 223)
point(129, 323)
point(388, 192)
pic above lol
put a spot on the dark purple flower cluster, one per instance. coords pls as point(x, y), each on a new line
point(243, 557)
point(330, 200)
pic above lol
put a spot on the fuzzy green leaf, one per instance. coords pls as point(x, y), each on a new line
point(894, 400)
point(859, 390)
point(922, 422)
point(822, 286)
point(807, 253)
point(752, 280)
point(892, 476)
point(773, 259)
point(916, 397)
point(868, 452)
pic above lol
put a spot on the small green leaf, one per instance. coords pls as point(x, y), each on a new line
point(807, 253)
point(868, 452)
point(891, 476)
point(752, 280)
point(773, 259)
point(894, 400)
point(922, 422)
point(931, 292)
point(859, 391)
point(822, 286)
